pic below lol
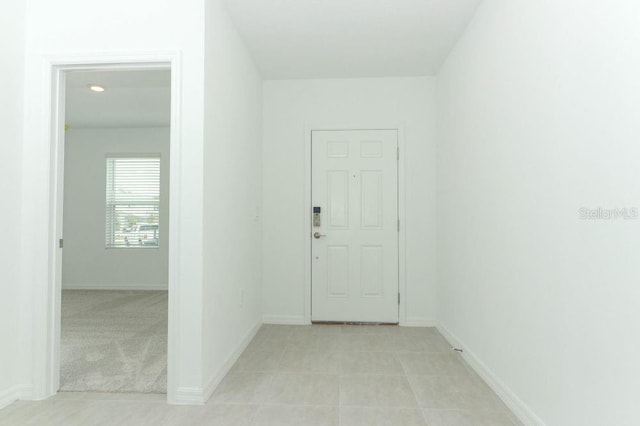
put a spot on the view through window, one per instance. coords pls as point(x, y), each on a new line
point(132, 201)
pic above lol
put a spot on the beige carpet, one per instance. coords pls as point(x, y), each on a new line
point(113, 341)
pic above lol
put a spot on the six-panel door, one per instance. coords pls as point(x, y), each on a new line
point(355, 250)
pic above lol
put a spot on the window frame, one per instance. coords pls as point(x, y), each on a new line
point(110, 207)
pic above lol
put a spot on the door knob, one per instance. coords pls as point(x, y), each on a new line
point(317, 235)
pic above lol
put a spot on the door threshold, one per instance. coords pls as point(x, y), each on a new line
point(352, 323)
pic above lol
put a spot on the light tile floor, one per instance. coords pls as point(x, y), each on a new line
point(306, 376)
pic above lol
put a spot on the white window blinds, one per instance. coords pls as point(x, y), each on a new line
point(132, 202)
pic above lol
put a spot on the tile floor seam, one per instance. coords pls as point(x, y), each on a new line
point(415, 394)
point(406, 373)
point(384, 407)
point(282, 404)
point(252, 422)
point(281, 358)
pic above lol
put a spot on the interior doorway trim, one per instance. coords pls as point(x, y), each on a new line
point(402, 281)
point(47, 324)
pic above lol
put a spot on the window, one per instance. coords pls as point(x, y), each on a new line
point(132, 201)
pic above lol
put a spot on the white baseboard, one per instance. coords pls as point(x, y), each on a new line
point(213, 383)
point(133, 287)
point(285, 320)
point(519, 408)
point(9, 396)
point(188, 396)
point(418, 322)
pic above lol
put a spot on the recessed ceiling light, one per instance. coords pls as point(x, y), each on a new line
point(96, 88)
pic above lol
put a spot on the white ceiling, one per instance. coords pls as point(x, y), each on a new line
point(350, 38)
point(290, 39)
point(131, 99)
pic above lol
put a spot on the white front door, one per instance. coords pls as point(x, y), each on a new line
point(354, 247)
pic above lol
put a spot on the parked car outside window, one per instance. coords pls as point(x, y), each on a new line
point(143, 234)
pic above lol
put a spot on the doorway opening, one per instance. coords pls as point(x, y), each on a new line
point(114, 301)
point(147, 229)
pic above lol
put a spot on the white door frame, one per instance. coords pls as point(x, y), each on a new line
point(47, 326)
point(402, 281)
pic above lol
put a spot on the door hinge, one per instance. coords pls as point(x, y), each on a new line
point(398, 153)
point(398, 298)
point(398, 225)
point(60, 242)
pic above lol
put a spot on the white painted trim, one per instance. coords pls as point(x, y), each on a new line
point(25, 392)
point(214, 381)
point(188, 396)
point(91, 60)
point(57, 130)
point(518, 406)
point(418, 322)
point(133, 287)
point(306, 230)
point(286, 320)
point(175, 181)
point(306, 208)
point(8, 397)
point(46, 330)
point(15, 393)
point(402, 236)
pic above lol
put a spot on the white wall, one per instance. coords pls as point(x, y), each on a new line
point(86, 262)
point(11, 114)
point(292, 106)
point(538, 117)
point(232, 195)
point(76, 28)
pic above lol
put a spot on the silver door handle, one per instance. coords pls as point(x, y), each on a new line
point(317, 235)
